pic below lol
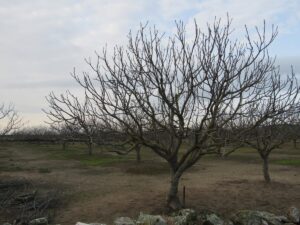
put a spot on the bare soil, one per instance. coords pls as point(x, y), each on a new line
point(101, 193)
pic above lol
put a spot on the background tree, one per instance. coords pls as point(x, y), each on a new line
point(66, 133)
point(294, 128)
point(266, 138)
point(274, 113)
point(67, 112)
point(9, 119)
point(172, 95)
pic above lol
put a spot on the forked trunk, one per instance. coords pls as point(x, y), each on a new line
point(173, 201)
point(266, 169)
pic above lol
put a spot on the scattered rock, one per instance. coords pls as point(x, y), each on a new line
point(283, 219)
point(190, 217)
point(80, 223)
point(39, 221)
point(146, 219)
point(124, 221)
point(294, 214)
point(185, 217)
point(249, 217)
point(211, 219)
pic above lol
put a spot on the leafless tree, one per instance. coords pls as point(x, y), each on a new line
point(294, 128)
point(270, 135)
point(9, 119)
point(173, 94)
point(265, 138)
point(66, 132)
point(275, 111)
point(68, 112)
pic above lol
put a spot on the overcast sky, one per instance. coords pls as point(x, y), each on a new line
point(41, 41)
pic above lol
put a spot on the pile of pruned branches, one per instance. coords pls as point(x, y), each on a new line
point(20, 201)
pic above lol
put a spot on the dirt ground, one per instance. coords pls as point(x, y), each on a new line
point(101, 193)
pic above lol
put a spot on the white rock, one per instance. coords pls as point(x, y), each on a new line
point(124, 221)
point(39, 221)
point(146, 219)
point(294, 214)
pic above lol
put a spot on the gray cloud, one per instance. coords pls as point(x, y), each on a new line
point(41, 40)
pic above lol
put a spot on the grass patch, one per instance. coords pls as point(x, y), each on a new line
point(101, 161)
point(288, 162)
point(44, 170)
point(78, 152)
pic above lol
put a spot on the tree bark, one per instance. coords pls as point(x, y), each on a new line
point(138, 153)
point(266, 169)
point(90, 145)
point(64, 144)
point(173, 201)
point(295, 143)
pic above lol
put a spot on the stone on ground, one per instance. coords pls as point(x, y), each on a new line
point(184, 217)
point(39, 221)
point(146, 219)
point(124, 221)
point(294, 214)
point(252, 217)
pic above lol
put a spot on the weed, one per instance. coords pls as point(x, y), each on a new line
point(288, 162)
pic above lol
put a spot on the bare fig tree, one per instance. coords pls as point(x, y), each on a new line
point(9, 119)
point(172, 94)
point(68, 112)
point(269, 136)
point(66, 132)
point(294, 128)
point(282, 103)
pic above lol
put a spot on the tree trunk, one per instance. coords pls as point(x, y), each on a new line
point(90, 145)
point(266, 169)
point(295, 143)
point(173, 201)
point(64, 144)
point(138, 153)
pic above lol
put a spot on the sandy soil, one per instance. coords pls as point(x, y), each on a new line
point(99, 194)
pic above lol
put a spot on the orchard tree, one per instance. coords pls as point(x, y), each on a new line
point(9, 119)
point(266, 138)
point(273, 131)
point(68, 112)
point(66, 132)
point(294, 128)
point(172, 94)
